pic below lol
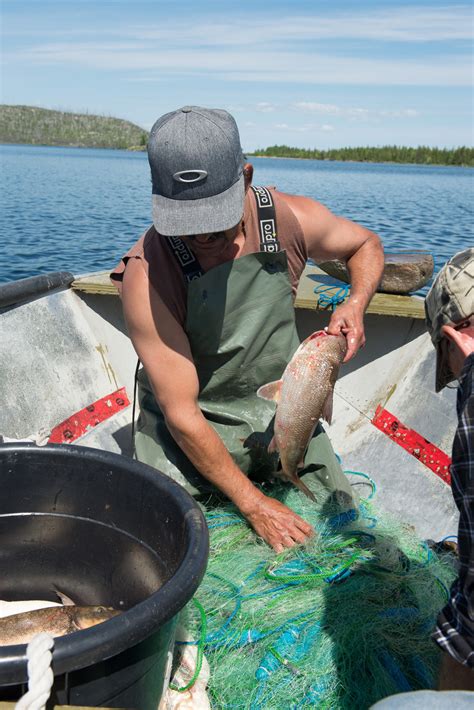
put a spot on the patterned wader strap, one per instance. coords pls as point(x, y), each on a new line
point(189, 264)
point(267, 225)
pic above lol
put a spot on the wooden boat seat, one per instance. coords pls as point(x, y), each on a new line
point(382, 303)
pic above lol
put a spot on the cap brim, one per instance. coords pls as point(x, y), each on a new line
point(178, 218)
point(444, 374)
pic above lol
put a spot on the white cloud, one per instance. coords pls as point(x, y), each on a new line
point(402, 113)
point(358, 112)
point(284, 49)
point(313, 107)
point(277, 66)
point(265, 107)
point(354, 113)
point(305, 128)
point(397, 24)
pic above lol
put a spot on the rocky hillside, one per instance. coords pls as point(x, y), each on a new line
point(40, 126)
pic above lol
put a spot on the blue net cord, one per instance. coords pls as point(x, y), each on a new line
point(331, 296)
point(279, 647)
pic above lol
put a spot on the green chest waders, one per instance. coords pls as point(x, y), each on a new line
point(241, 328)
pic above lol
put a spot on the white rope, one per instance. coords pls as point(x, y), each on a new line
point(40, 673)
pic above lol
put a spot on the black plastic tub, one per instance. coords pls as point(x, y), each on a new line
point(104, 530)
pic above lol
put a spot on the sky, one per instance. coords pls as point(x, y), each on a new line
point(306, 73)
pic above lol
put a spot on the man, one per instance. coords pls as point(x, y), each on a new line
point(208, 300)
point(449, 309)
point(450, 320)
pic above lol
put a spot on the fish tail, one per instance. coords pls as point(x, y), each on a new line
point(304, 488)
point(272, 446)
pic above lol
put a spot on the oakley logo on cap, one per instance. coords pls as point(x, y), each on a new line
point(188, 176)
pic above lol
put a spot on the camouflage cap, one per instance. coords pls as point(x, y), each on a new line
point(449, 301)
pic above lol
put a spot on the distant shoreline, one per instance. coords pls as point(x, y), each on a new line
point(369, 162)
point(29, 125)
point(142, 149)
point(462, 156)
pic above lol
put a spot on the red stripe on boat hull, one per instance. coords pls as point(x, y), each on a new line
point(414, 443)
point(81, 422)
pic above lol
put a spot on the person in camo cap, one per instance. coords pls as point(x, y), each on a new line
point(208, 297)
point(449, 308)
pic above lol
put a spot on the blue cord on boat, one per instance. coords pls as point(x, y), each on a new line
point(273, 590)
point(314, 694)
point(253, 635)
point(295, 640)
point(394, 671)
point(401, 614)
point(272, 659)
point(421, 671)
point(368, 478)
point(331, 300)
point(339, 576)
point(443, 587)
point(311, 632)
point(343, 519)
point(213, 526)
point(365, 516)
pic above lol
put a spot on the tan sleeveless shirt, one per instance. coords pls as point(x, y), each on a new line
point(166, 276)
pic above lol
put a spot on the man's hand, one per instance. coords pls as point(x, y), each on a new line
point(328, 236)
point(348, 319)
point(273, 521)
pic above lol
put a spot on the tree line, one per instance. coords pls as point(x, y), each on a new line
point(32, 125)
point(384, 154)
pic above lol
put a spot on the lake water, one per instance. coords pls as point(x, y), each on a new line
point(79, 210)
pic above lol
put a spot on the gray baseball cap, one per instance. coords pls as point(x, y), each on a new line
point(449, 301)
point(197, 172)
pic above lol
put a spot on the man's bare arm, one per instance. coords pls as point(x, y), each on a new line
point(164, 350)
point(327, 237)
point(454, 675)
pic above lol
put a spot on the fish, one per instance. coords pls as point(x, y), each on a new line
point(11, 608)
point(56, 621)
point(18, 607)
point(304, 395)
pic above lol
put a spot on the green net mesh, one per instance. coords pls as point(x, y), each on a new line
point(340, 622)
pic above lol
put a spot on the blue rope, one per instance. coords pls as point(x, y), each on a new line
point(331, 296)
point(367, 477)
point(394, 671)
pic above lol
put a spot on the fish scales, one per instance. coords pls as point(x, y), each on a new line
point(307, 382)
point(304, 396)
point(56, 621)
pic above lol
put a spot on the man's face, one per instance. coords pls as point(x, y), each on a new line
point(213, 243)
point(458, 343)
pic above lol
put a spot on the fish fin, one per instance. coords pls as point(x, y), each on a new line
point(65, 600)
point(327, 408)
point(273, 445)
point(270, 391)
point(304, 488)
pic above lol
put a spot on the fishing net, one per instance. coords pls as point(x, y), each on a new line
point(340, 622)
